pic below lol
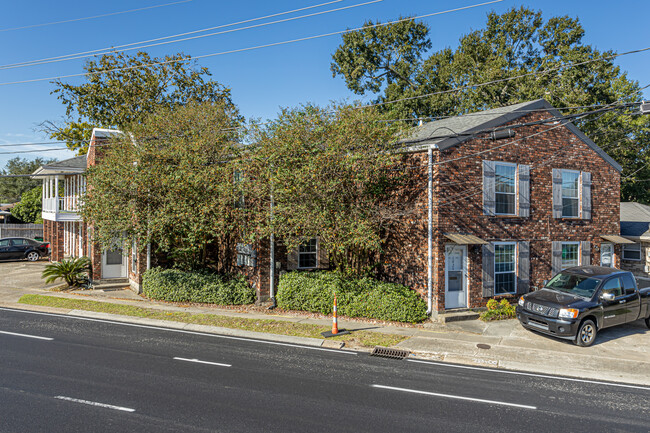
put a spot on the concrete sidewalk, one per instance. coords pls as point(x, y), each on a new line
point(620, 354)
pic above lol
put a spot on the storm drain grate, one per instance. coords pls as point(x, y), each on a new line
point(387, 352)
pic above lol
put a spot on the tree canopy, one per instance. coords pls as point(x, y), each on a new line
point(121, 90)
point(518, 56)
point(168, 181)
point(11, 188)
point(329, 175)
point(30, 207)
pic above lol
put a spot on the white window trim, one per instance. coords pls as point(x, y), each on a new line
point(626, 247)
point(316, 252)
point(562, 171)
point(562, 267)
point(516, 181)
point(516, 264)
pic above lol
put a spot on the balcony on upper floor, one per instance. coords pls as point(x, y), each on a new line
point(64, 184)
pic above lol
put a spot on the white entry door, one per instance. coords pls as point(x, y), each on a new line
point(455, 276)
point(607, 255)
point(114, 263)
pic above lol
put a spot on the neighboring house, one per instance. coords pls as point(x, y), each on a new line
point(635, 226)
point(64, 184)
point(504, 199)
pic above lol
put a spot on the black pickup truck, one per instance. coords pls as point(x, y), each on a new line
point(578, 302)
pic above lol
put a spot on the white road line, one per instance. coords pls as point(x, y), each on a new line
point(457, 397)
point(27, 335)
point(202, 362)
point(521, 373)
point(181, 331)
point(94, 403)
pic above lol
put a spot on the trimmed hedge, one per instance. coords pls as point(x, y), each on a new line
point(180, 286)
point(365, 297)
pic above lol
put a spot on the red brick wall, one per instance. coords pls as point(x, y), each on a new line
point(53, 233)
point(458, 206)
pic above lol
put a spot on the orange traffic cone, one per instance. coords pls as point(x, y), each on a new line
point(335, 328)
point(335, 325)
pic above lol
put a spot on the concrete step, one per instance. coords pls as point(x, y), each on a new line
point(110, 284)
point(457, 316)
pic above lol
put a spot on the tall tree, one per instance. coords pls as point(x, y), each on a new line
point(329, 174)
point(30, 207)
point(11, 188)
point(121, 89)
point(522, 57)
point(168, 181)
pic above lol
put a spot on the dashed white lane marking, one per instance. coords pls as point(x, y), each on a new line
point(457, 397)
point(202, 362)
point(521, 373)
point(182, 331)
point(26, 335)
point(94, 403)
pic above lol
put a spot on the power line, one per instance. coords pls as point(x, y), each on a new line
point(94, 16)
point(239, 50)
point(148, 45)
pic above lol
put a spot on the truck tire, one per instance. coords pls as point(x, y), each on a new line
point(586, 334)
point(647, 322)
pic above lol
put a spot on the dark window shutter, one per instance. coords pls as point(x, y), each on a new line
point(556, 259)
point(557, 193)
point(524, 190)
point(292, 259)
point(488, 270)
point(586, 195)
point(523, 268)
point(488, 188)
point(585, 253)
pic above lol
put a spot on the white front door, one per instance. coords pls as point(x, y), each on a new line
point(455, 276)
point(607, 255)
point(114, 263)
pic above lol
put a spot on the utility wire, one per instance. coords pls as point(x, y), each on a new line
point(148, 45)
point(239, 50)
point(93, 17)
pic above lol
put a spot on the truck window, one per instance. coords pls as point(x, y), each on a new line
point(613, 286)
point(628, 284)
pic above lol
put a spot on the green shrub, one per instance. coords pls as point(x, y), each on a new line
point(73, 271)
point(180, 286)
point(365, 297)
point(498, 310)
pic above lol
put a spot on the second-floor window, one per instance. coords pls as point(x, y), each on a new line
point(570, 195)
point(505, 189)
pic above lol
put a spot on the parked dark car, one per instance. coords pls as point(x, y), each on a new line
point(578, 302)
point(23, 248)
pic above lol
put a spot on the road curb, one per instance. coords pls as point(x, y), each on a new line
point(217, 330)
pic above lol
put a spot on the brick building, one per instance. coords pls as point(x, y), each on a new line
point(64, 184)
point(503, 199)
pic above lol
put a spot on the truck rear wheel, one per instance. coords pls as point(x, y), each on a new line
point(647, 322)
point(586, 334)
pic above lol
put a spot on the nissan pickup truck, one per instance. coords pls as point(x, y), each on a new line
point(578, 302)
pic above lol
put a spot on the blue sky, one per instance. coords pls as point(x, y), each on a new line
point(261, 80)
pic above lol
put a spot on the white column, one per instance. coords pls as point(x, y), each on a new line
point(56, 194)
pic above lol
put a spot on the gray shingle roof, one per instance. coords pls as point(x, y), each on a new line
point(463, 128)
point(67, 166)
point(635, 220)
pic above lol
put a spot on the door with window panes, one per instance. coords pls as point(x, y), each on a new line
point(455, 276)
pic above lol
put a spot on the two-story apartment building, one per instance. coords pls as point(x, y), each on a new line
point(504, 199)
point(64, 184)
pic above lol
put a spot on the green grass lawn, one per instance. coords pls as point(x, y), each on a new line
point(356, 338)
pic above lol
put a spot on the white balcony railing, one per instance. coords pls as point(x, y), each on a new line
point(62, 204)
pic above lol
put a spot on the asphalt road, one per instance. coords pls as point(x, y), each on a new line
point(66, 374)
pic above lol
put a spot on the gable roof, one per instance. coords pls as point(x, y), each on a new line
point(67, 166)
point(635, 220)
point(452, 131)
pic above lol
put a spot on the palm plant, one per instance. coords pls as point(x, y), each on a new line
point(72, 271)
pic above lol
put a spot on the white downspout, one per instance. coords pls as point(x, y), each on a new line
point(430, 234)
